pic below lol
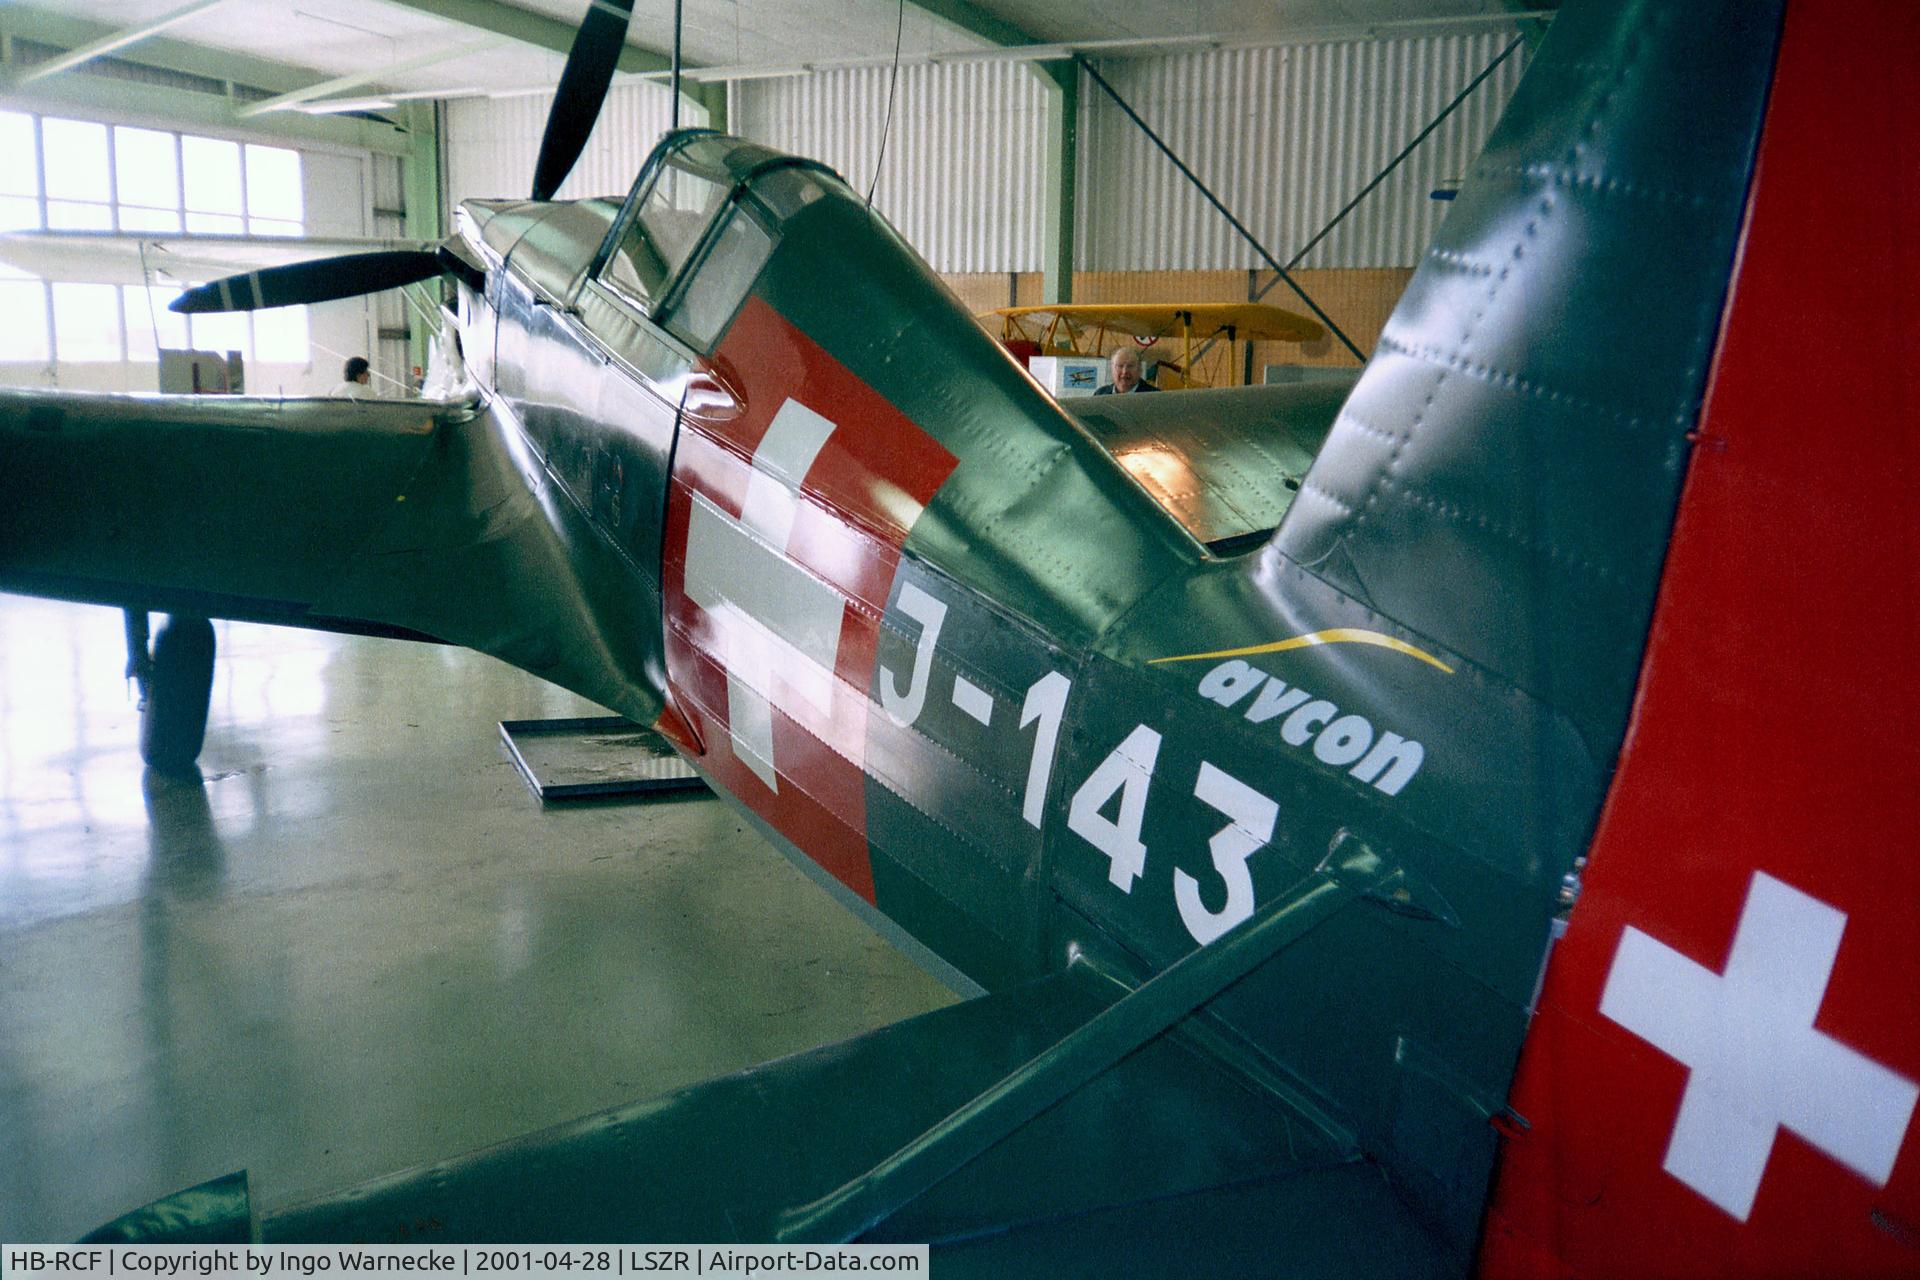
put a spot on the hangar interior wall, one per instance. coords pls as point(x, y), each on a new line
point(963, 173)
point(490, 144)
point(1285, 135)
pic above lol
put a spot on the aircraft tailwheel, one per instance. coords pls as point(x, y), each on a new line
point(173, 718)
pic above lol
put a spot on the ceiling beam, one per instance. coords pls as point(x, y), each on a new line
point(527, 27)
point(48, 27)
point(339, 84)
point(118, 40)
point(976, 20)
point(86, 96)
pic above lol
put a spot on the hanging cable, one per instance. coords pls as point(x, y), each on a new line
point(676, 66)
point(899, 27)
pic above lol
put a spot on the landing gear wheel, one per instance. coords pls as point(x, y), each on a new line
point(173, 719)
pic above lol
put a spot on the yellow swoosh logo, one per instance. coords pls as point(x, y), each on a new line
point(1338, 635)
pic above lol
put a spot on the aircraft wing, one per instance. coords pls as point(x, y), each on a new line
point(225, 506)
point(107, 257)
point(418, 519)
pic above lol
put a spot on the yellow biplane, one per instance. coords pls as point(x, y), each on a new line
point(1096, 328)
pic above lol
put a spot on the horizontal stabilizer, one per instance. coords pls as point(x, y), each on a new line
point(1167, 1133)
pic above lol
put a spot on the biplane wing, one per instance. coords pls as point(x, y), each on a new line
point(1241, 321)
point(1093, 328)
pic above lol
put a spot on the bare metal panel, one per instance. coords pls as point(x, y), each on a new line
point(1225, 463)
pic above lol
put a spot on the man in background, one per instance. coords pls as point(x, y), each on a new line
point(1126, 375)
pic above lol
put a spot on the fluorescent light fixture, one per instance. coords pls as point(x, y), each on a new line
point(1011, 53)
point(380, 102)
point(1148, 43)
point(419, 95)
point(708, 75)
point(341, 106)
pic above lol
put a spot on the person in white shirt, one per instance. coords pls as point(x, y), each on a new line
point(358, 383)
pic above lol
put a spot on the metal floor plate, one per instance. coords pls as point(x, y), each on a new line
point(594, 756)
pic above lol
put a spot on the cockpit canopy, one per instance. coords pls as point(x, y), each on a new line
point(693, 235)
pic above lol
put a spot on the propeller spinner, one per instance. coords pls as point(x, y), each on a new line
point(576, 105)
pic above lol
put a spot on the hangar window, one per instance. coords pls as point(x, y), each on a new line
point(79, 184)
point(19, 172)
point(86, 175)
point(146, 313)
point(276, 205)
point(86, 322)
point(147, 178)
point(223, 331)
point(23, 337)
point(280, 336)
point(216, 203)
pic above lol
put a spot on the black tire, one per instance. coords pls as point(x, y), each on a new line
point(173, 722)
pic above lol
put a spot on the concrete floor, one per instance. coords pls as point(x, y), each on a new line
point(359, 943)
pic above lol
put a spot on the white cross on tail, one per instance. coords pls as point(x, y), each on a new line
point(1758, 1064)
point(769, 612)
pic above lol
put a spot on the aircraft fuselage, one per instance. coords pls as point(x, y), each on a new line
point(915, 620)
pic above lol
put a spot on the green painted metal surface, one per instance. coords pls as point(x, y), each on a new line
point(1080, 748)
point(218, 1211)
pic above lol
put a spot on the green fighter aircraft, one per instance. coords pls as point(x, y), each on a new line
point(1250, 806)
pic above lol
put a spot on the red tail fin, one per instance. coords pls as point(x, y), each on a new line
point(1722, 1073)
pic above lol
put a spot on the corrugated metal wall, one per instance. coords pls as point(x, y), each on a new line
point(962, 175)
point(491, 144)
point(1284, 136)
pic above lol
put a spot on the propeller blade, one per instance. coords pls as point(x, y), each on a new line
point(322, 280)
point(583, 87)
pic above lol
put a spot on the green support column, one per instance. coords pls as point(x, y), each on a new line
point(420, 181)
point(713, 97)
point(1061, 80)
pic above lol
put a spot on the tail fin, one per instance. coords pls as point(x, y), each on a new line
point(1503, 478)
